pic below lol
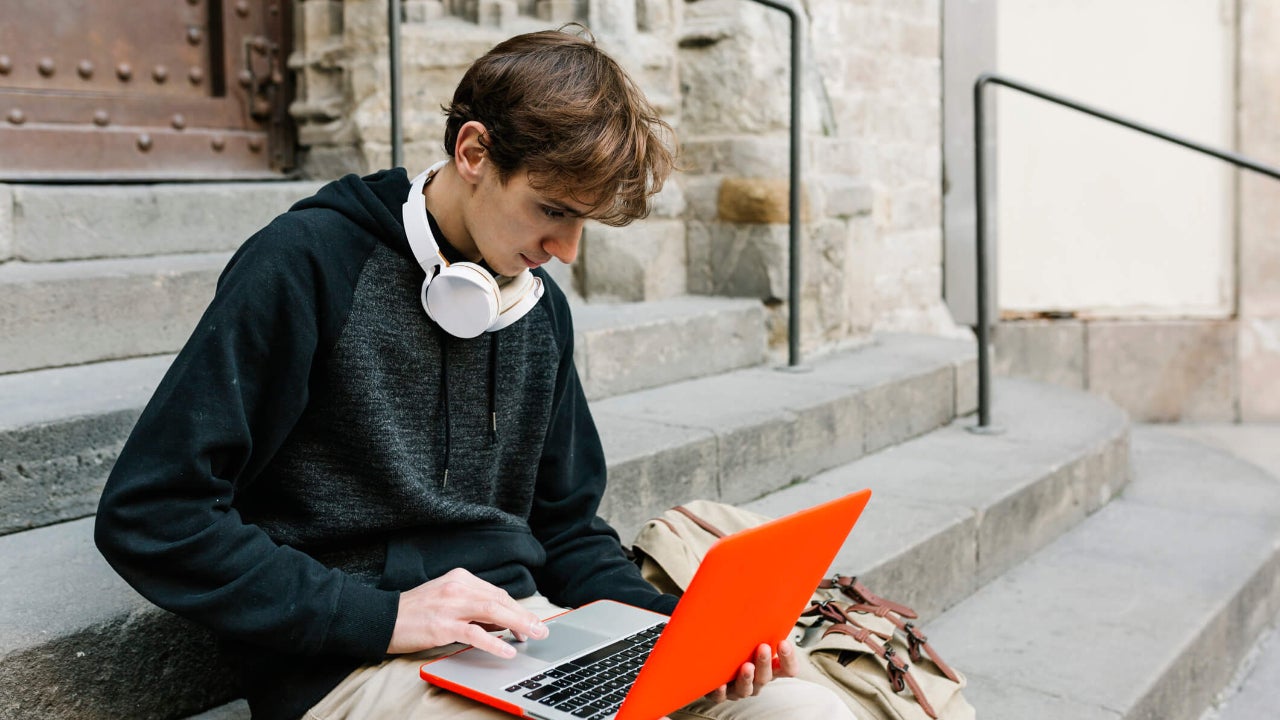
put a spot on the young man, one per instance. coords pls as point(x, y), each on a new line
point(343, 473)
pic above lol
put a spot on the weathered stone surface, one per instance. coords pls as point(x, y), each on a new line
point(758, 200)
point(55, 222)
point(1259, 369)
point(643, 261)
point(1212, 545)
point(738, 260)
point(76, 642)
point(1165, 371)
point(1050, 351)
point(85, 311)
point(60, 431)
point(628, 347)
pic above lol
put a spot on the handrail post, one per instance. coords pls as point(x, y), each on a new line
point(393, 50)
point(980, 240)
point(794, 203)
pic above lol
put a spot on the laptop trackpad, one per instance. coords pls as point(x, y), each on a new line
point(564, 640)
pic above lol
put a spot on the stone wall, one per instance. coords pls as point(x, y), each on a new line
point(718, 69)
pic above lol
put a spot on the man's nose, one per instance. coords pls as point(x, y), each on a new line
point(563, 245)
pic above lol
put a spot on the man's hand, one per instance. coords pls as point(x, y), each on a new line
point(460, 607)
point(753, 676)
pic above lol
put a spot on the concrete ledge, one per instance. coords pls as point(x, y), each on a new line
point(60, 222)
point(69, 313)
point(952, 510)
point(1141, 611)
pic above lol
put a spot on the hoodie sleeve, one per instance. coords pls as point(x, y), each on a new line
point(585, 561)
point(166, 522)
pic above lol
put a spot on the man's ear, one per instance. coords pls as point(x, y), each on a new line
point(470, 159)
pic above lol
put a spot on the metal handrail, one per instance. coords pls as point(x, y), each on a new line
point(793, 245)
point(979, 133)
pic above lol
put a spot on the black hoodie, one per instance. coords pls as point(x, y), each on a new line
point(319, 445)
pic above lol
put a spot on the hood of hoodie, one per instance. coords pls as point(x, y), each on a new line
point(374, 203)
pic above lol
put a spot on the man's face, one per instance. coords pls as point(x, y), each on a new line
point(516, 227)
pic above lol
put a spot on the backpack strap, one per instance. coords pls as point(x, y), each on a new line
point(860, 594)
point(916, 639)
point(900, 676)
point(715, 531)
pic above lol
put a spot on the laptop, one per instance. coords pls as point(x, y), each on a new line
point(611, 661)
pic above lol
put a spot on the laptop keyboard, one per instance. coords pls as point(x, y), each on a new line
point(594, 685)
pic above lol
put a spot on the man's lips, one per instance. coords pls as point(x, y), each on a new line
point(529, 262)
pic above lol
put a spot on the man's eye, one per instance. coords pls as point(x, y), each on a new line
point(552, 212)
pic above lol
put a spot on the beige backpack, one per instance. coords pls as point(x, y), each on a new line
point(864, 647)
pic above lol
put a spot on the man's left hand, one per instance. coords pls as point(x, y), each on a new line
point(754, 675)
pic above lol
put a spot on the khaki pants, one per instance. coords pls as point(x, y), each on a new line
point(393, 689)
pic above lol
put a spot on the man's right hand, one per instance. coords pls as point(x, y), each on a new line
point(460, 607)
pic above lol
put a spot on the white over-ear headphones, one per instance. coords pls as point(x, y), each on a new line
point(462, 298)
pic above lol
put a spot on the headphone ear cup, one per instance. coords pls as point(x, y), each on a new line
point(462, 299)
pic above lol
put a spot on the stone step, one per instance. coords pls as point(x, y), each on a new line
point(762, 426)
point(79, 222)
point(1141, 611)
point(737, 436)
point(81, 311)
point(952, 510)
point(60, 429)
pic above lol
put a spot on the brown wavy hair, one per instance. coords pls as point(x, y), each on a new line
point(556, 105)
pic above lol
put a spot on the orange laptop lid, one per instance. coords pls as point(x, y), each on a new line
point(749, 589)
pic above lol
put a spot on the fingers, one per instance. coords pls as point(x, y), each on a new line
point(458, 607)
point(753, 676)
point(788, 660)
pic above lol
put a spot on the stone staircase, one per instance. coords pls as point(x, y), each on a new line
point(1065, 578)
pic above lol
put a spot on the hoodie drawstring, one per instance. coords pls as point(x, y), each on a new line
point(492, 389)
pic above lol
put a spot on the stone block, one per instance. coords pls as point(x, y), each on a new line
point(557, 11)
point(758, 201)
point(842, 196)
point(644, 261)
point(422, 11)
point(319, 22)
point(743, 155)
point(94, 221)
point(738, 260)
point(85, 311)
point(1166, 371)
point(1259, 370)
point(654, 16)
point(1050, 351)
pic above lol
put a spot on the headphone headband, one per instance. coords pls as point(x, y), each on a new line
point(416, 227)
